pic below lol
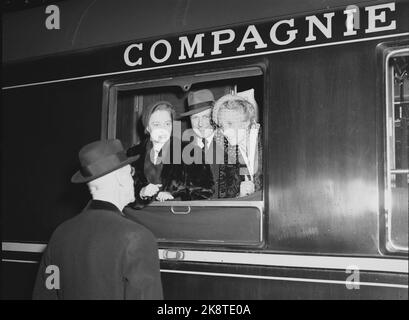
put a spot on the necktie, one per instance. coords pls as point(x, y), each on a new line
point(204, 151)
point(155, 157)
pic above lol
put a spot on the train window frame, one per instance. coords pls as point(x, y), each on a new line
point(185, 81)
point(388, 52)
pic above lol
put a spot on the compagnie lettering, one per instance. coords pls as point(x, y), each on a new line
point(253, 38)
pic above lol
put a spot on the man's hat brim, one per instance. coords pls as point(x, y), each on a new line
point(79, 178)
point(193, 111)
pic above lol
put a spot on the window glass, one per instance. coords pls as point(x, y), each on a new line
point(230, 127)
point(398, 151)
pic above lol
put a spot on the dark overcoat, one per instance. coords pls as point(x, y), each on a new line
point(100, 254)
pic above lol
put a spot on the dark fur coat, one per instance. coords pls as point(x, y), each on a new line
point(230, 175)
point(182, 181)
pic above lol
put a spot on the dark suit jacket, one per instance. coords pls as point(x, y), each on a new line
point(101, 255)
point(215, 156)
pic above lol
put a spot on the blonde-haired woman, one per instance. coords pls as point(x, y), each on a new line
point(241, 173)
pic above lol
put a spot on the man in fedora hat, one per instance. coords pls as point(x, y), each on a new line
point(100, 254)
point(200, 107)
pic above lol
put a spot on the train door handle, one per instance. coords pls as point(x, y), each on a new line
point(180, 212)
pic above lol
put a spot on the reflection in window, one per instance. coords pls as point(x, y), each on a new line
point(398, 151)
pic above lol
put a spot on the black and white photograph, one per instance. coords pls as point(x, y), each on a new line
point(204, 155)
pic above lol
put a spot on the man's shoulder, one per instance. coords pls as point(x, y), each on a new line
point(137, 235)
point(65, 225)
point(100, 224)
point(63, 233)
point(123, 226)
point(134, 225)
point(94, 218)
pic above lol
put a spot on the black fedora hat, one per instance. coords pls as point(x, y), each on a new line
point(100, 158)
point(198, 101)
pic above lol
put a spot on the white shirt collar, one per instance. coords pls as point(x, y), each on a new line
point(158, 146)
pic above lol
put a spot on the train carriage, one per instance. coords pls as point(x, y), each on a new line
point(331, 83)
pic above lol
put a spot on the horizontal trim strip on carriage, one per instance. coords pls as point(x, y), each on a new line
point(249, 276)
point(260, 277)
point(206, 61)
point(23, 247)
point(293, 260)
point(18, 261)
point(259, 259)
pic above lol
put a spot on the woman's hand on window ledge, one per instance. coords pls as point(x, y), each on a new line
point(149, 191)
point(164, 196)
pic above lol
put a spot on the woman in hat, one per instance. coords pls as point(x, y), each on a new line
point(239, 133)
point(160, 173)
point(156, 177)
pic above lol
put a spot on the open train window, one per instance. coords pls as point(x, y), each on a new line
point(397, 150)
point(221, 220)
